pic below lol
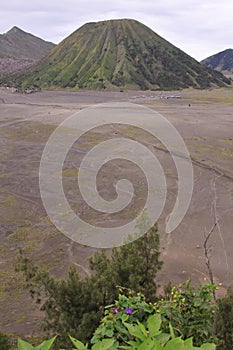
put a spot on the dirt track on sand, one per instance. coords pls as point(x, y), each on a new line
point(26, 123)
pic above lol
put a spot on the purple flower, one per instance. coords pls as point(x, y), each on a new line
point(115, 310)
point(128, 310)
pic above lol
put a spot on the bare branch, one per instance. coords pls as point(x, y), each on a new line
point(208, 257)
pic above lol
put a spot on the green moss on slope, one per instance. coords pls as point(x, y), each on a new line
point(119, 53)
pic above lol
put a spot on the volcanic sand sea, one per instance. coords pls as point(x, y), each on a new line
point(205, 121)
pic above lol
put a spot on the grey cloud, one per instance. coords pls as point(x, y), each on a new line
point(196, 26)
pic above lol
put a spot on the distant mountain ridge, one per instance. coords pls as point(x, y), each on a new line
point(22, 45)
point(115, 55)
point(222, 61)
point(19, 49)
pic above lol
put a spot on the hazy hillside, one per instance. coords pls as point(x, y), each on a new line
point(21, 45)
point(119, 54)
point(222, 61)
point(19, 49)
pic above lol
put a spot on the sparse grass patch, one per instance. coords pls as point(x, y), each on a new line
point(29, 132)
point(9, 201)
point(226, 140)
point(3, 175)
point(70, 172)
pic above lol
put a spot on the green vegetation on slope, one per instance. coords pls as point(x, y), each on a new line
point(119, 54)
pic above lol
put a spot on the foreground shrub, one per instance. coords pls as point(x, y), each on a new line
point(189, 310)
point(225, 321)
point(144, 337)
point(148, 337)
point(133, 323)
point(4, 342)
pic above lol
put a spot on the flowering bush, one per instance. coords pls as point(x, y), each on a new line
point(148, 337)
point(190, 310)
point(132, 323)
point(131, 308)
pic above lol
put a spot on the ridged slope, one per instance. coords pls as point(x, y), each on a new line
point(119, 54)
point(222, 61)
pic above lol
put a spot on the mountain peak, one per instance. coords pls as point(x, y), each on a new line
point(116, 54)
point(18, 44)
point(15, 29)
point(221, 61)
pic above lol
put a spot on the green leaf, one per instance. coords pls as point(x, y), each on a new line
point(171, 330)
point(188, 342)
point(23, 345)
point(150, 344)
point(109, 333)
point(105, 344)
point(208, 346)
point(46, 345)
point(154, 323)
point(163, 338)
point(197, 303)
point(143, 329)
point(78, 344)
point(135, 331)
point(124, 317)
point(175, 344)
point(132, 342)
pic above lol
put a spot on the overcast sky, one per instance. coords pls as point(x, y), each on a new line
point(199, 27)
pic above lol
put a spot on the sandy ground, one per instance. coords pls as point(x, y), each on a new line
point(205, 121)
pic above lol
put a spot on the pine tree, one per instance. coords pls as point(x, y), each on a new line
point(132, 266)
